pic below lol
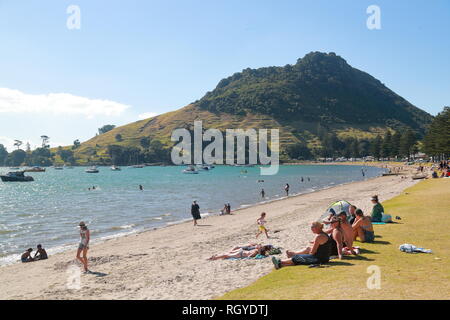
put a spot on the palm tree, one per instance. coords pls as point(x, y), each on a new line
point(17, 143)
point(45, 141)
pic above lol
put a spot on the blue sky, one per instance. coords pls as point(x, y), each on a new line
point(131, 58)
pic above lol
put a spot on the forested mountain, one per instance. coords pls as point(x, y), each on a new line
point(322, 106)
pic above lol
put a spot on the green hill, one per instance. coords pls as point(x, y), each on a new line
point(320, 93)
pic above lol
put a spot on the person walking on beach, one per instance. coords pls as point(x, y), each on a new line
point(263, 193)
point(228, 208)
point(286, 188)
point(84, 245)
point(261, 222)
point(195, 211)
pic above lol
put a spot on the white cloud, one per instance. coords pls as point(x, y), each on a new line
point(15, 101)
point(147, 115)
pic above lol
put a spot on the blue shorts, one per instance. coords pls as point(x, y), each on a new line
point(82, 246)
point(369, 236)
point(305, 259)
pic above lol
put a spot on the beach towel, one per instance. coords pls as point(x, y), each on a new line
point(409, 248)
point(378, 222)
point(258, 256)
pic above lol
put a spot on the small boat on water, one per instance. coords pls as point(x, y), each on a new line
point(115, 168)
point(35, 169)
point(205, 167)
point(190, 170)
point(58, 168)
point(92, 169)
point(138, 166)
point(17, 176)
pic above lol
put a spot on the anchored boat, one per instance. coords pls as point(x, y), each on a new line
point(17, 176)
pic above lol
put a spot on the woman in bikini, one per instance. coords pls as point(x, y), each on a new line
point(242, 253)
point(362, 227)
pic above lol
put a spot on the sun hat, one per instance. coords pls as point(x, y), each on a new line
point(82, 224)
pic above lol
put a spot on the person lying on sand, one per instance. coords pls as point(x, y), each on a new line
point(241, 253)
point(318, 253)
point(362, 227)
point(26, 256)
point(40, 254)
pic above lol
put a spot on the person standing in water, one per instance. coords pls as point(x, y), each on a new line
point(141, 187)
point(263, 193)
point(195, 211)
point(84, 245)
point(261, 222)
point(286, 188)
point(301, 179)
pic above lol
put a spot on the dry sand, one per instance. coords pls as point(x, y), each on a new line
point(170, 263)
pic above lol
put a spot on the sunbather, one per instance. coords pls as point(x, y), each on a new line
point(319, 252)
point(347, 231)
point(362, 227)
point(242, 253)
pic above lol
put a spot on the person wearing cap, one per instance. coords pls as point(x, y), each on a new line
point(377, 210)
point(84, 245)
point(337, 237)
point(40, 254)
point(26, 256)
point(195, 211)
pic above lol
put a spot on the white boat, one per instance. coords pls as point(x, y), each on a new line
point(190, 170)
point(204, 167)
point(138, 166)
point(115, 168)
point(92, 169)
point(58, 168)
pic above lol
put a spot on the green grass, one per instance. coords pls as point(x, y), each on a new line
point(424, 209)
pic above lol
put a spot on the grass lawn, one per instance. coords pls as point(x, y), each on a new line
point(425, 212)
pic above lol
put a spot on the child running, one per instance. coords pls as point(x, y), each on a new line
point(261, 222)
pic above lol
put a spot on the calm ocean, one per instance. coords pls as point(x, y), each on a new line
point(49, 209)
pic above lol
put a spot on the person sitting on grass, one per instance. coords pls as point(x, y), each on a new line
point(242, 253)
point(337, 237)
point(362, 227)
point(26, 256)
point(40, 254)
point(317, 253)
point(347, 231)
point(377, 210)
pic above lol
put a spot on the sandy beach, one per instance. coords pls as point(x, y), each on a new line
point(170, 263)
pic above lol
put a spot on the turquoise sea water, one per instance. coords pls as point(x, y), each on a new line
point(49, 209)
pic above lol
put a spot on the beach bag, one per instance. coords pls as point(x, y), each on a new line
point(274, 251)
